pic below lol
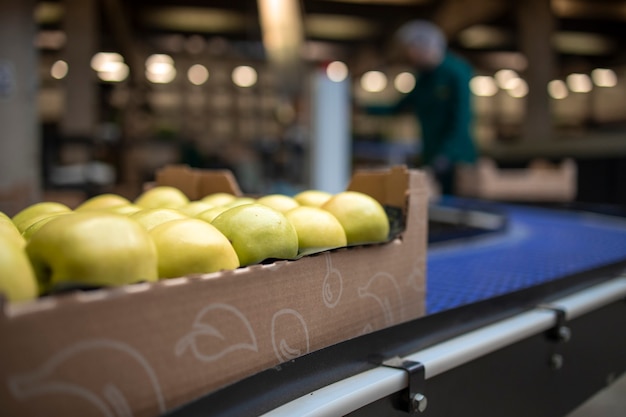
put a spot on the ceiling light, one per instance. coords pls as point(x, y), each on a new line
point(157, 60)
point(582, 43)
point(59, 69)
point(483, 86)
point(48, 12)
point(484, 37)
point(338, 27)
point(557, 89)
point(113, 71)
point(281, 23)
point(580, 9)
point(512, 83)
point(337, 71)
point(404, 82)
point(110, 66)
point(604, 77)
point(198, 74)
point(194, 19)
point(160, 69)
point(100, 60)
point(164, 77)
point(504, 77)
point(519, 90)
point(244, 76)
point(579, 83)
point(374, 81)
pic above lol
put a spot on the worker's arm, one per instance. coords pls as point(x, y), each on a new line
point(405, 103)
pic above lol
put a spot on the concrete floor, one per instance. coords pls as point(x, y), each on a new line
point(610, 402)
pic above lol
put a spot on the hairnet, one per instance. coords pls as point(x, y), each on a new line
point(422, 34)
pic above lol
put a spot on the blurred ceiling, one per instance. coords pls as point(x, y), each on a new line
point(587, 32)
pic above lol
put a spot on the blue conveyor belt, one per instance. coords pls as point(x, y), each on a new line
point(539, 245)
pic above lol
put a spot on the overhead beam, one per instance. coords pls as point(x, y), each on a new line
point(455, 15)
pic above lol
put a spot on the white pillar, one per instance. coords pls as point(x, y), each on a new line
point(331, 153)
point(19, 133)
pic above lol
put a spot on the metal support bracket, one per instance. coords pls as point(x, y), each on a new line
point(560, 332)
point(414, 401)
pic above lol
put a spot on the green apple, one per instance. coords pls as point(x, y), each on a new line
point(103, 202)
point(195, 207)
point(22, 219)
point(312, 198)
point(150, 218)
point(280, 202)
point(240, 201)
point(162, 196)
point(210, 214)
point(218, 199)
point(10, 231)
point(17, 278)
point(39, 221)
point(363, 218)
point(28, 223)
point(317, 229)
point(191, 246)
point(92, 249)
point(258, 232)
point(125, 209)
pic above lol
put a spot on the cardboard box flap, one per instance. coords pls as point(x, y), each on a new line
point(388, 186)
point(215, 181)
point(197, 183)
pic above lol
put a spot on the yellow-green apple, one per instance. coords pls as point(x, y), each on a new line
point(150, 218)
point(92, 249)
point(312, 198)
point(258, 232)
point(10, 231)
point(218, 199)
point(317, 229)
point(103, 202)
point(39, 221)
point(363, 218)
point(22, 218)
point(280, 202)
point(240, 201)
point(195, 207)
point(191, 246)
point(28, 223)
point(210, 214)
point(17, 278)
point(162, 196)
point(126, 209)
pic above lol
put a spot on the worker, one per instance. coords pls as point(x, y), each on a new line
point(440, 101)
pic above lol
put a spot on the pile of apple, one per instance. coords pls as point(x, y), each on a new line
point(109, 240)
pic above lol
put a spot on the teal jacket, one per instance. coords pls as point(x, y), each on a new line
point(441, 101)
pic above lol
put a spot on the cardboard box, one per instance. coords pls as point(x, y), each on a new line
point(541, 181)
point(142, 349)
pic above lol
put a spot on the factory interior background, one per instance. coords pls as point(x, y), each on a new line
point(97, 95)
